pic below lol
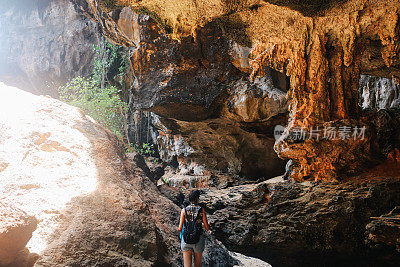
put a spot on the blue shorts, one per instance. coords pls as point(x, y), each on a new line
point(197, 248)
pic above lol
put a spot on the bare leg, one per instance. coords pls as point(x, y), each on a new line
point(197, 259)
point(187, 258)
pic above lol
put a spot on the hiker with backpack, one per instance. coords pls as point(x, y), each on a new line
point(193, 217)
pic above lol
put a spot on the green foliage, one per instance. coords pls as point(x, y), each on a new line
point(95, 95)
point(100, 96)
point(107, 54)
point(103, 105)
point(146, 149)
point(123, 67)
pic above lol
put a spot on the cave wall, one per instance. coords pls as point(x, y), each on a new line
point(379, 93)
point(209, 115)
point(221, 75)
point(43, 44)
point(324, 47)
point(197, 80)
point(217, 99)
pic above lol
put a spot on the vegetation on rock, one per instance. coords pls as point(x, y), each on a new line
point(96, 96)
point(103, 105)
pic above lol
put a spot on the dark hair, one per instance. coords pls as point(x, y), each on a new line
point(194, 196)
point(186, 203)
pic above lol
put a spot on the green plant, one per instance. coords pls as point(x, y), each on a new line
point(96, 96)
point(145, 149)
point(148, 149)
point(101, 95)
point(103, 105)
point(165, 181)
point(106, 55)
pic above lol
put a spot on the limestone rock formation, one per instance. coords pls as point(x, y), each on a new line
point(220, 75)
point(384, 231)
point(210, 113)
point(308, 224)
point(16, 229)
point(204, 76)
point(43, 44)
point(324, 46)
point(379, 93)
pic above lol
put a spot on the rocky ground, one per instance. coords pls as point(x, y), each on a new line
point(16, 229)
point(383, 231)
point(308, 224)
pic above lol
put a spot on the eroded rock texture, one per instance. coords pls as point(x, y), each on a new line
point(323, 46)
point(211, 115)
point(16, 229)
point(203, 78)
point(216, 73)
point(379, 93)
point(43, 44)
point(309, 224)
point(293, 224)
point(384, 231)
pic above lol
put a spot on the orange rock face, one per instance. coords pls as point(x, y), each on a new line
point(199, 86)
point(324, 46)
point(324, 55)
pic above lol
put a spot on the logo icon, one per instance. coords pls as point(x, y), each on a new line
point(278, 131)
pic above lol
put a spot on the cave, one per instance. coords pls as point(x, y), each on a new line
point(285, 115)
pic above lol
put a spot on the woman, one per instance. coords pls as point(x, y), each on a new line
point(193, 213)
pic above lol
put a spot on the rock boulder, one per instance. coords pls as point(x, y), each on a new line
point(308, 224)
point(16, 229)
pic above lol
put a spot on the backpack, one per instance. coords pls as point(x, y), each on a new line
point(191, 231)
